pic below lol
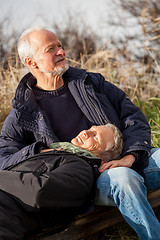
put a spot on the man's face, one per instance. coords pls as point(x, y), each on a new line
point(49, 56)
point(96, 139)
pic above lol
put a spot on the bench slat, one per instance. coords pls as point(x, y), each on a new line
point(101, 218)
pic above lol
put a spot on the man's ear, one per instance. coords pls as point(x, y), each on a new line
point(30, 63)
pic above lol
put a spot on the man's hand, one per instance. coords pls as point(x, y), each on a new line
point(126, 161)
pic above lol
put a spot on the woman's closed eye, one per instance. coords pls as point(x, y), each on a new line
point(96, 137)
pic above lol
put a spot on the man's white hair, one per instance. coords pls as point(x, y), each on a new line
point(25, 48)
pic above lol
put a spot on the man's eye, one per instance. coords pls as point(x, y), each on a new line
point(59, 45)
point(50, 49)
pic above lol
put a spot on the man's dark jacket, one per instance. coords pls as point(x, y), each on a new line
point(27, 128)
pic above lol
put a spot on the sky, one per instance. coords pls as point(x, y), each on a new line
point(31, 13)
point(24, 14)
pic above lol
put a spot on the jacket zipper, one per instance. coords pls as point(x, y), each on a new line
point(102, 121)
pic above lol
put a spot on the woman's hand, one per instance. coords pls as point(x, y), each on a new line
point(126, 161)
point(46, 150)
point(51, 149)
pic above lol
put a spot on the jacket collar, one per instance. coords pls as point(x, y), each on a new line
point(24, 97)
point(74, 74)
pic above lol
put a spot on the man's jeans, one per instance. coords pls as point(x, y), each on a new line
point(124, 188)
point(152, 172)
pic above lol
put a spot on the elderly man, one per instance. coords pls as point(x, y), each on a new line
point(55, 102)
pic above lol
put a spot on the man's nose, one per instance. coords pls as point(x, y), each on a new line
point(60, 51)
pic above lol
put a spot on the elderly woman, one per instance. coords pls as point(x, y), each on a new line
point(58, 181)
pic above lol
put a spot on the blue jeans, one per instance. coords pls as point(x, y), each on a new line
point(124, 188)
point(152, 172)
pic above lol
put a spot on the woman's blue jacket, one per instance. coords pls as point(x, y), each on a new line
point(27, 129)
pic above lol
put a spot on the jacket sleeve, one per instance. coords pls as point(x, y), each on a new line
point(14, 143)
point(135, 128)
point(129, 119)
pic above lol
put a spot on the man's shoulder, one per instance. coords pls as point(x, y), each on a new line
point(76, 74)
point(97, 80)
point(29, 79)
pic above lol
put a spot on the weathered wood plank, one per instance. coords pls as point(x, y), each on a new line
point(154, 198)
point(85, 225)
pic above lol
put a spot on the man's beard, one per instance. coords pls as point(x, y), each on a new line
point(58, 71)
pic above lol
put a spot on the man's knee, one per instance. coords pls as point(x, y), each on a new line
point(121, 176)
point(125, 177)
point(118, 180)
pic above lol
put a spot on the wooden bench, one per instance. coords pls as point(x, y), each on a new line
point(85, 225)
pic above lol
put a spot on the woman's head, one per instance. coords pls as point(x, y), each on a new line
point(104, 141)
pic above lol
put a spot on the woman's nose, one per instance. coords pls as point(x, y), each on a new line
point(85, 134)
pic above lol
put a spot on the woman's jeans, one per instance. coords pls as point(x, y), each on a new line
point(124, 188)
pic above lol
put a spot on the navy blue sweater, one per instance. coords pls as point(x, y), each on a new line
point(66, 118)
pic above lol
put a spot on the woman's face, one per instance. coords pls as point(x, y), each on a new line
point(96, 139)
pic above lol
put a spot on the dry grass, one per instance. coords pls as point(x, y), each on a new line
point(9, 79)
